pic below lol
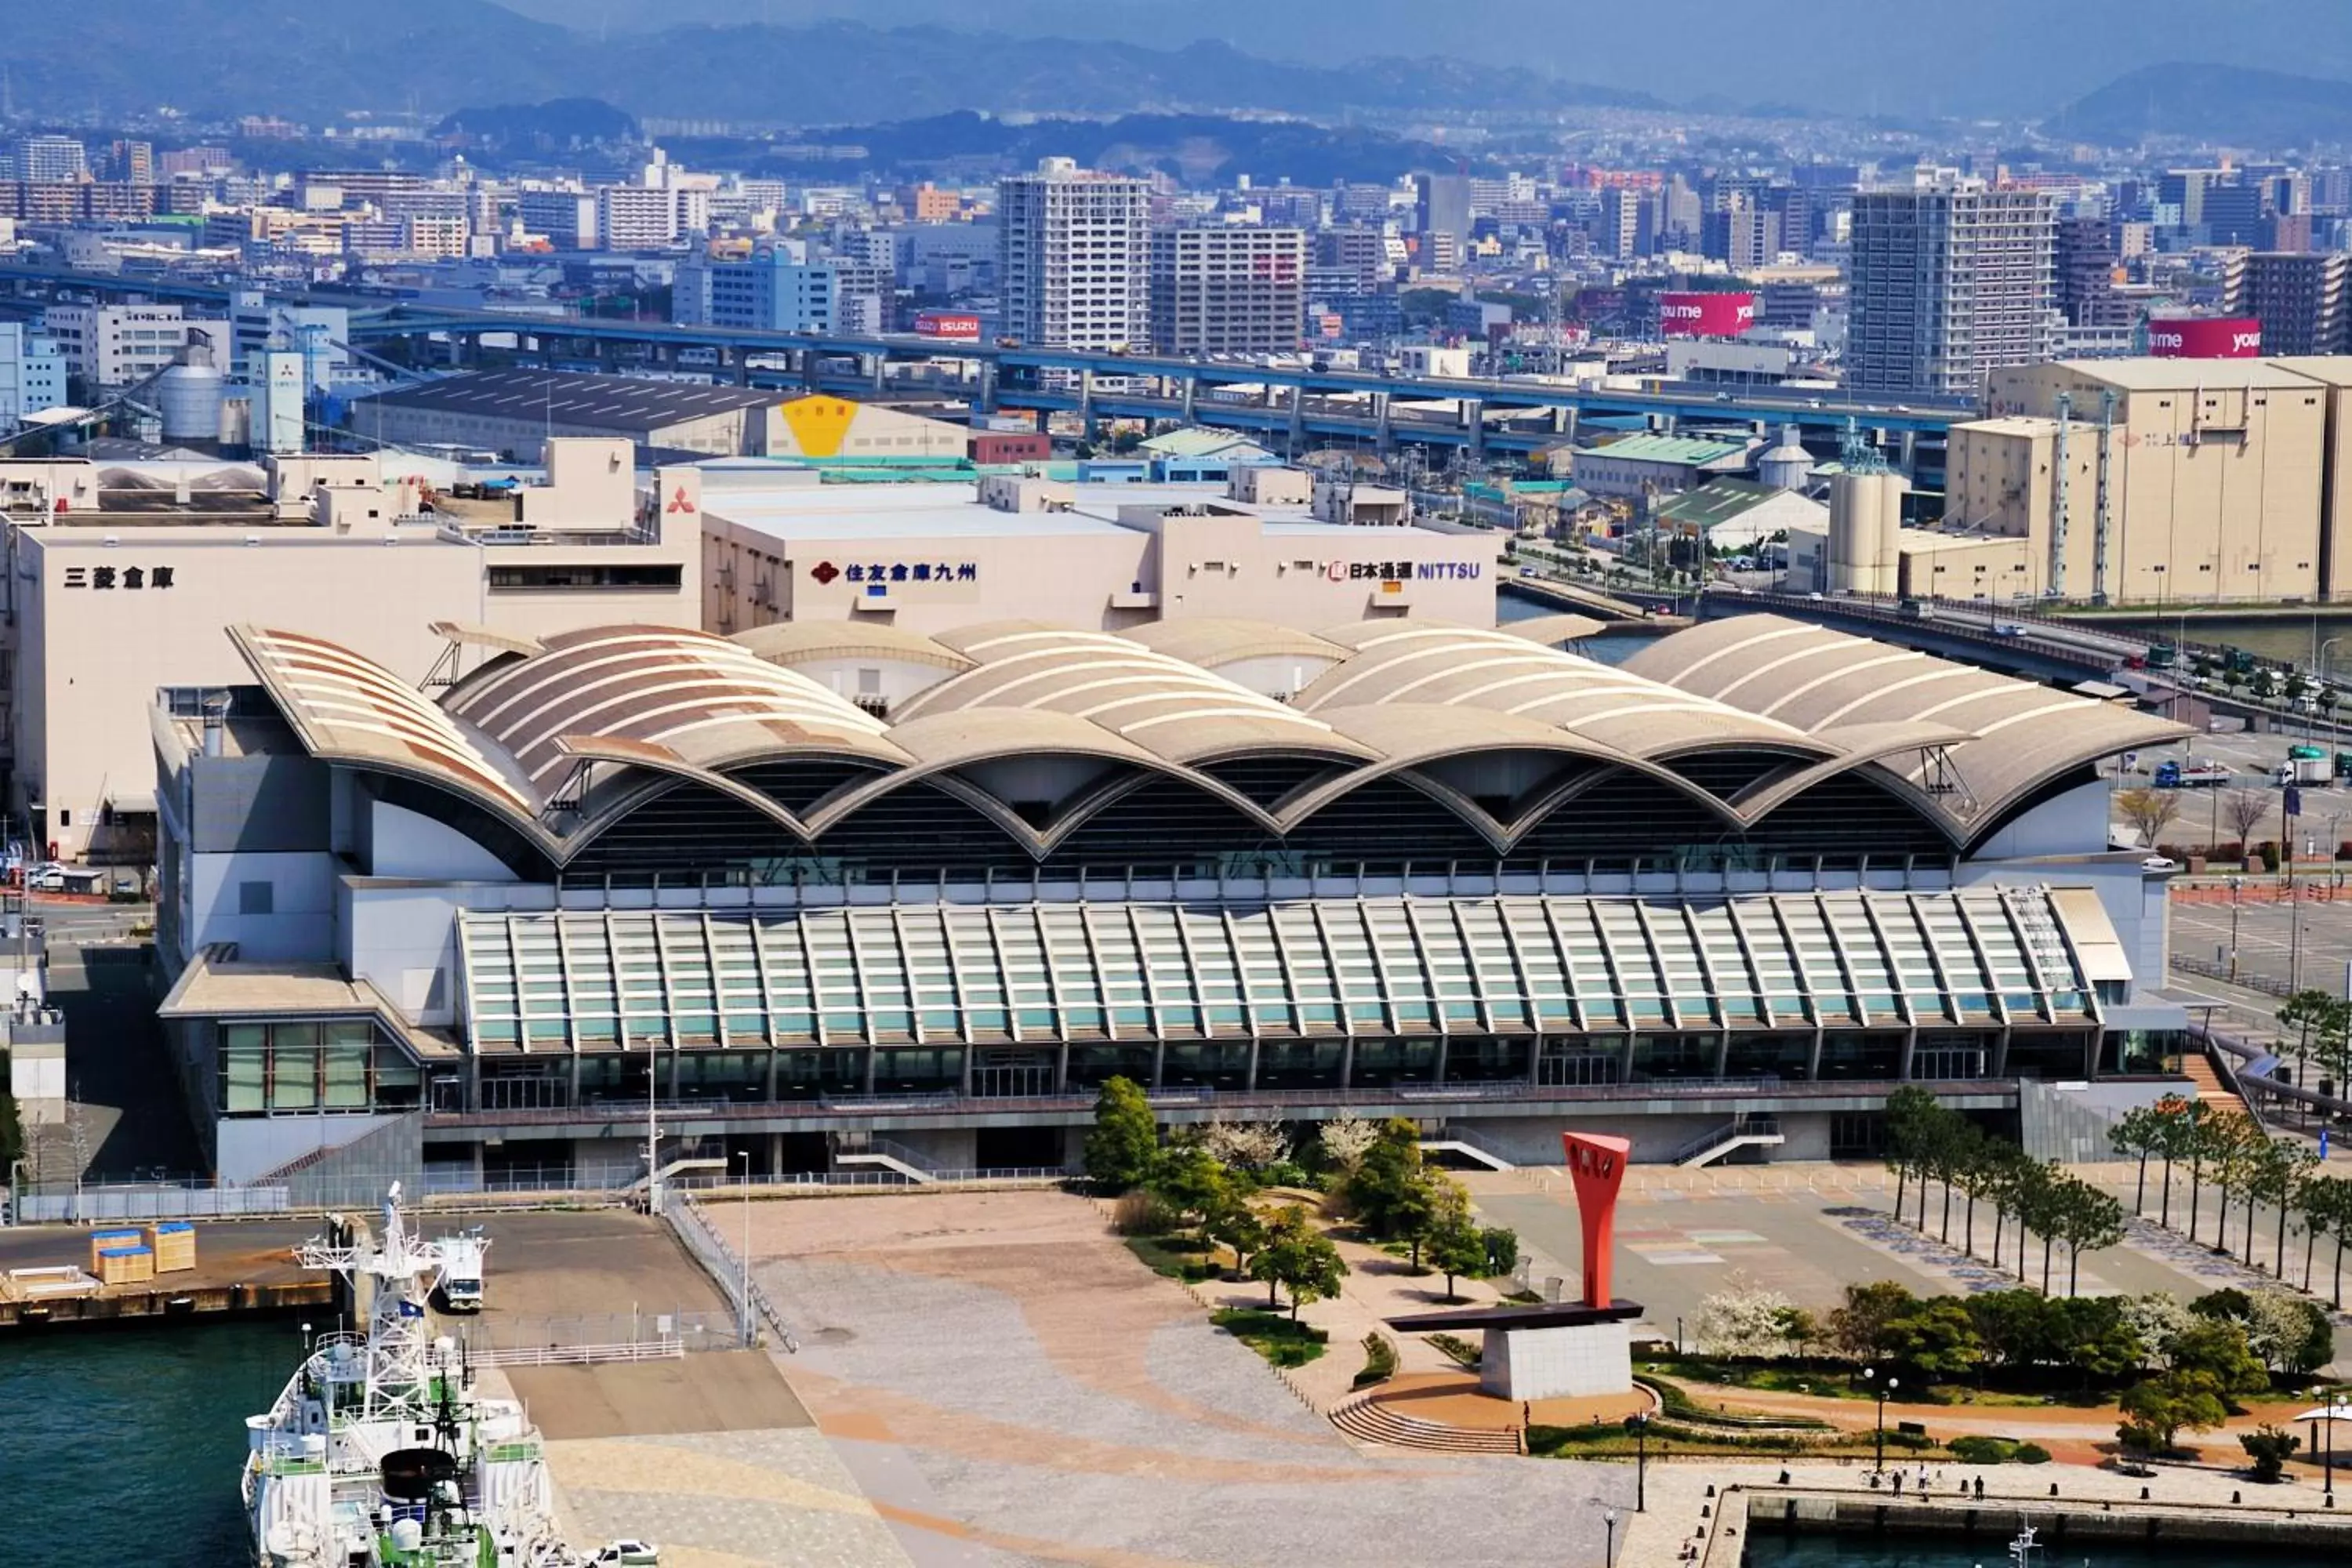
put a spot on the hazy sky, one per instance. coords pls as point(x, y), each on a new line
point(1949, 56)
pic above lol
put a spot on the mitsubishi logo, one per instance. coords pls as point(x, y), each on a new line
point(678, 502)
point(824, 571)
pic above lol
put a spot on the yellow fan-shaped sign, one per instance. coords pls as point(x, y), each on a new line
point(818, 424)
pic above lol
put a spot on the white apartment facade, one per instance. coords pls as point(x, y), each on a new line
point(32, 375)
point(121, 345)
point(1952, 280)
point(1075, 257)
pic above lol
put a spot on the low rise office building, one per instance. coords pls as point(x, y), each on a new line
point(121, 580)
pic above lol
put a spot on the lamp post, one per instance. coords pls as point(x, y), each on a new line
point(1884, 1391)
point(1609, 1548)
point(1639, 1426)
point(2237, 887)
point(743, 1296)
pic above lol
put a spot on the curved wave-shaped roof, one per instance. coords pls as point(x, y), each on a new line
point(1426, 663)
point(800, 642)
point(346, 706)
point(707, 699)
point(1211, 641)
point(1827, 682)
point(1153, 699)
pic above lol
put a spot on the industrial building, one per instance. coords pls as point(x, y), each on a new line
point(1388, 867)
point(513, 413)
point(1105, 556)
point(2144, 482)
point(120, 580)
point(1952, 280)
point(115, 346)
point(1634, 468)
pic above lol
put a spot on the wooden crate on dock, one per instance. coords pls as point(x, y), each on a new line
point(173, 1241)
point(100, 1240)
point(126, 1265)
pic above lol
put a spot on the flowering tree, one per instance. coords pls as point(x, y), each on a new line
point(1249, 1146)
point(1745, 1320)
point(1347, 1139)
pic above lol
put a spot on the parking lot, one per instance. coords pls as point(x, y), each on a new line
point(2253, 760)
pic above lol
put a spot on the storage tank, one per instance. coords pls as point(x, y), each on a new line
point(1787, 467)
point(189, 397)
point(1866, 524)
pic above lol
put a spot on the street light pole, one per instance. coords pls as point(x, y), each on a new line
point(1884, 1391)
point(1609, 1550)
point(1640, 1425)
point(743, 1296)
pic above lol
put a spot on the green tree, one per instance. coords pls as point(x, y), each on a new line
point(2270, 1447)
point(2219, 1350)
point(2224, 1153)
point(2176, 1137)
point(1455, 1247)
point(1123, 1145)
point(2099, 1341)
point(2087, 1219)
point(1935, 1339)
point(1235, 1223)
point(1859, 1330)
point(1298, 1259)
point(1387, 1186)
point(2018, 1327)
point(2137, 1134)
point(2311, 1014)
point(2327, 1205)
point(2157, 1410)
point(1193, 1182)
point(1910, 1112)
point(1502, 1246)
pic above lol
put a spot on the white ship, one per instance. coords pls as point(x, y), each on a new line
point(380, 1454)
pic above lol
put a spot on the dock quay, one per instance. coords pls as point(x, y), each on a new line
point(246, 1269)
point(124, 1304)
point(2289, 1516)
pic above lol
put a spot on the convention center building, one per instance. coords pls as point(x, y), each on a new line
point(838, 892)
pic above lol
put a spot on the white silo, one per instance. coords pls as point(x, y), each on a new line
point(1865, 526)
point(1787, 467)
point(189, 395)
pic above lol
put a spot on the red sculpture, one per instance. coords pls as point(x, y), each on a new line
point(1597, 1165)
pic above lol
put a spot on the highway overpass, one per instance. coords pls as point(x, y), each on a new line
point(1515, 416)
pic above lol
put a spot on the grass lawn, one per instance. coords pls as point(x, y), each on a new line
point(1176, 1257)
point(1274, 1335)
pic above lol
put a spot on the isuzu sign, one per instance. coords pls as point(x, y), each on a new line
point(1705, 315)
point(2204, 337)
point(947, 324)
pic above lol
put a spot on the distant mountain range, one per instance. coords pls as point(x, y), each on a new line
point(2211, 103)
point(319, 59)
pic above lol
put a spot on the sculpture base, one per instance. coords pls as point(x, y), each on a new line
point(1575, 1361)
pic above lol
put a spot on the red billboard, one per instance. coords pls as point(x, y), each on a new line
point(1705, 315)
point(950, 324)
point(2204, 337)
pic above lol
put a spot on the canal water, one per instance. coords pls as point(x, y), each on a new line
point(1859, 1551)
point(122, 1447)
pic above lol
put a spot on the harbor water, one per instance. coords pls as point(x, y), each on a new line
point(122, 1447)
point(1862, 1551)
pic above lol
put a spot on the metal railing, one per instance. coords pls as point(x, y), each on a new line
point(579, 1355)
point(1747, 1125)
point(1226, 1099)
point(729, 1268)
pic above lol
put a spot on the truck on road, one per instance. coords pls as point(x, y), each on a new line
point(2199, 773)
point(458, 1281)
point(2295, 769)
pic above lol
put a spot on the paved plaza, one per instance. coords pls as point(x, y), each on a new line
point(1010, 1385)
point(2264, 925)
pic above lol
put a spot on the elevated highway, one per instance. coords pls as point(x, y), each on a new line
point(1299, 400)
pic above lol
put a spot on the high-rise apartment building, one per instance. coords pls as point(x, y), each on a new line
point(1443, 205)
point(2086, 259)
point(567, 218)
point(51, 159)
point(1228, 289)
point(2301, 301)
point(1074, 258)
point(1952, 278)
point(32, 374)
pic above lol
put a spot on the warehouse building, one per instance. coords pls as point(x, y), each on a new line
point(1111, 556)
point(1386, 867)
point(513, 412)
point(121, 580)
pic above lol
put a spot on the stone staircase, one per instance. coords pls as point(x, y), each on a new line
point(1367, 1420)
point(2209, 1087)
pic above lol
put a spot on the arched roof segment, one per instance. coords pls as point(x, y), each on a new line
point(709, 700)
point(793, 643)
point(1828, 683)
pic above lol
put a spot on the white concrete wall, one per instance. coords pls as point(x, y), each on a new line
point(405, 843)
point(1569, 1362)
point(301, 925)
